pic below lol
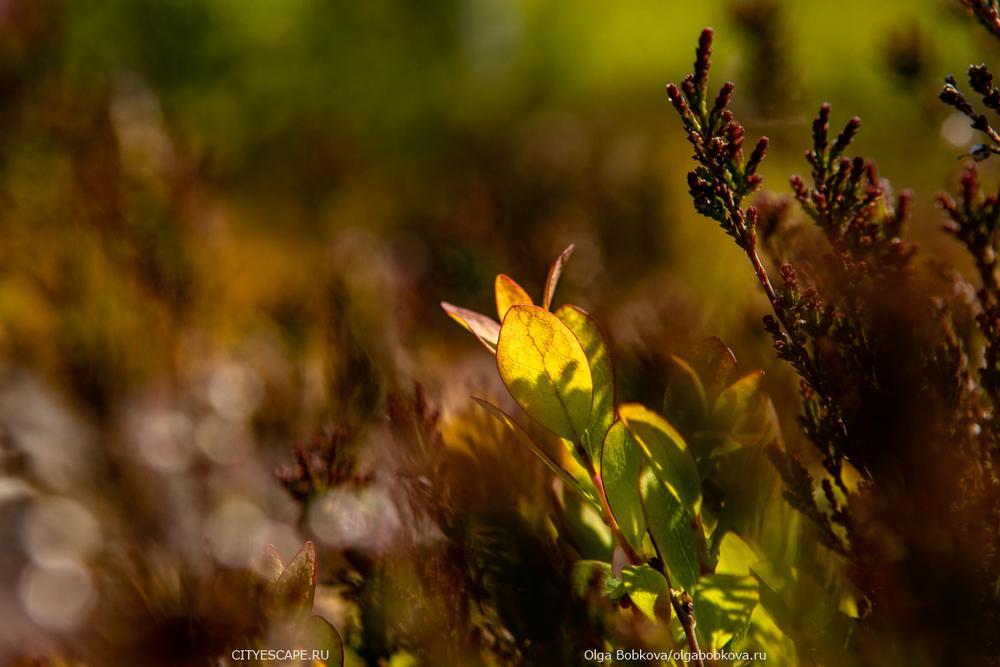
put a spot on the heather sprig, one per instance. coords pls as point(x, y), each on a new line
point(884, 355)
point(850, 203)
point(981, 81)
point(726, 176)
point(843, 201)
point(987, 13)
point(973, 221)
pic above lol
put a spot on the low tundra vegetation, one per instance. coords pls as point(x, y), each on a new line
point(641, 489)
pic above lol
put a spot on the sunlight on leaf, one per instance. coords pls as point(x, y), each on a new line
point(545, 369)
point(486, 329)
point(670, 524)
point(735, 556)
point(620, 464)
point(589, 533)
point(724, 604)
point(648, 591)
point(666, 451)
point(595, 346)
point(509, 293)
point(554, 272)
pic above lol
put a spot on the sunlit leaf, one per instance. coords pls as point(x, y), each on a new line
point(294, 590)
point(648, 591)
point(595, 346)
point(735, 402)
point(671, 525)
point(510, 423)
point(735, 556)
point(553, 278)
point(666, 451)
point(723, 604)
point(620, 463)
point(509, 293)
point(545, 369)
point(586, 528)
point(486, 329)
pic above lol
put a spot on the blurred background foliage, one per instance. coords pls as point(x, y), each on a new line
point(226, 226)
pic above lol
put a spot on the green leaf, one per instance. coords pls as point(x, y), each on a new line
point(484, 328)
point(735, 402)
point(595, 346)
point(554, 466)
point(620, 464)
point(321, 635)
point(554, 272)
point(667, 452)
point(509, 293)
point(671, 526)
point(648, 590)
point(545, 369)
point(586, 529)
point(735, 556)
point(293, 592)
point(723, 604)
point(588, 575)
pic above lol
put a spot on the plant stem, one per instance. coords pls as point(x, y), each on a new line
point(609, 518)
point(685, 614)
point(683, 609)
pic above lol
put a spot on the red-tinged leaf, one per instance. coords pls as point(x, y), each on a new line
point(486, 329)
point(554, 272)
point(293, 592)
point(509, 293)
point(269, 564)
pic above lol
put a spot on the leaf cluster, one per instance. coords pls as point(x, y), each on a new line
point(631, 468)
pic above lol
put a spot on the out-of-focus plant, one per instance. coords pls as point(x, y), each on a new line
point(674, 551)
point(288, 593)
point(902, 420)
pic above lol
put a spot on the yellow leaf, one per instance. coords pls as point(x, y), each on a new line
point(595, 346)
point(545, 369)
point(509, 293)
